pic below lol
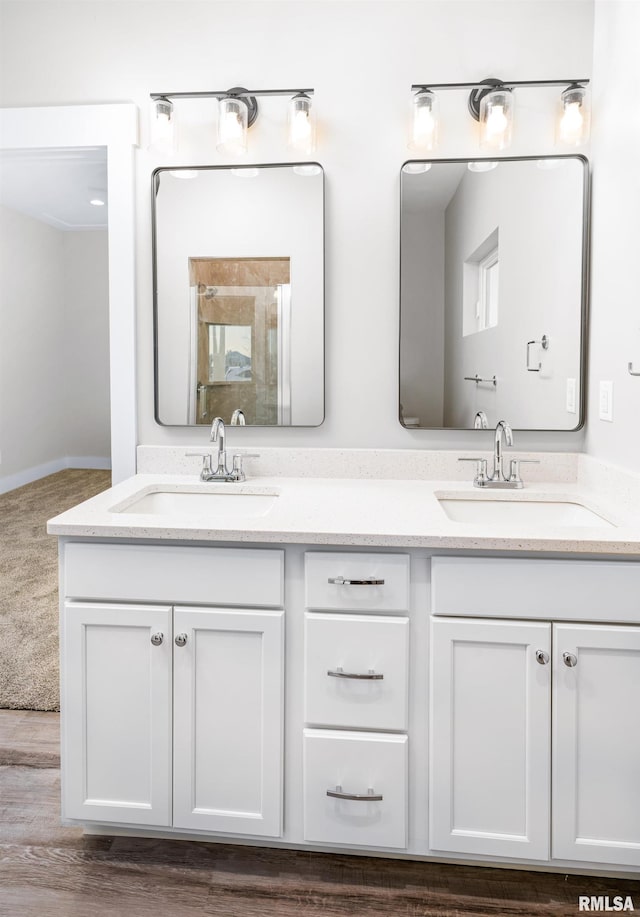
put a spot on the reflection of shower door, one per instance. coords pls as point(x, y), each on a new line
point(240, 340)
point(283, 294)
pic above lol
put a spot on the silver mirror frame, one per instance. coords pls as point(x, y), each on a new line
point(155, 179)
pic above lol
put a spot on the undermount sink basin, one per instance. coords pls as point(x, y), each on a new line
point(524, 511)
point(240, 503)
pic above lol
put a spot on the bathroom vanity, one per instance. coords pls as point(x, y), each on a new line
point(308, 675)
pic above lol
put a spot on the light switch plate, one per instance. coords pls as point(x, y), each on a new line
point(571, 396)
point(606, 401)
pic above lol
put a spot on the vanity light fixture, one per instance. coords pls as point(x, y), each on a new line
point(424, 121)
point(491, 103)
point(238, 110)
point(573, 126)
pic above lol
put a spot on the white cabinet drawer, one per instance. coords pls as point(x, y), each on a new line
point(356, 669)
point(355, 763)
point(573, 590)
point(336, 581)
point(173, 574)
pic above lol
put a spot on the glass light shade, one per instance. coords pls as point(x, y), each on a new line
point(232, 127)
point(424, 121)
point(163, 129)
point(573, 126)
point(496, 119)
point(301, 125)
point(416, 168)
point(482, 165)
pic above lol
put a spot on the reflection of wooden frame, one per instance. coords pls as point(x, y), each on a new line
point(253, 292)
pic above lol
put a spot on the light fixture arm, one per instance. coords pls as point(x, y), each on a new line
point(224, 94)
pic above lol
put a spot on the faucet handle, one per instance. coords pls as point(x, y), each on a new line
point(514, 468)
point(238, 471)
point(481, 467)
point(206, 457)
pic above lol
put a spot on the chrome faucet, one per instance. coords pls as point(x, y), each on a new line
point(480, 421)
point(222, 472)
point(502, 429)
point(218, 436)
point(498, 479)
point(238, 418)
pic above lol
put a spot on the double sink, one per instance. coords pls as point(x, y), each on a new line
point(237, 501)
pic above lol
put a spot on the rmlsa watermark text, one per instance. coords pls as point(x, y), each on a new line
point(605, 903)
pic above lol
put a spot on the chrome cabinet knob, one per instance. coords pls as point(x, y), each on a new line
point(542, 657)
point(181, 639)
point(569, 659)
point(157, 638)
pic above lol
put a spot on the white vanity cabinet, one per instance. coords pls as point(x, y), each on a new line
point(534, 731)
point(173, 714)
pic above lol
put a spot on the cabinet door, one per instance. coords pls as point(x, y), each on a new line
point(228, 695)
point(596, 744)
point(116, 713)
point(490, 737)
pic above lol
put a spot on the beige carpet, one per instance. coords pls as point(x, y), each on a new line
point(29, 585)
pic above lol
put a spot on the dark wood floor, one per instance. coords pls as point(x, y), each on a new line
point(50, 871)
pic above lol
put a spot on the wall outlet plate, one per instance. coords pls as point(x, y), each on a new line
point(606, 401)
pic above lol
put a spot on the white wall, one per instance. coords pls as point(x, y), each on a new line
point(361, 57)
point(32, 366)
point(86, 342)
point(53, 346)
point(615, 292)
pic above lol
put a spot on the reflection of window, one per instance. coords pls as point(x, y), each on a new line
point(229, 356)
point(487, 309)
point(481, 273)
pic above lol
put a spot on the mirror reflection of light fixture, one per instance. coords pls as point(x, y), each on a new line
point(573, 127)
point(482, 165)
point(307, 169)
point(250, 172)
point(424, 121)
point(416, 168)
point(491, 103)
point(238, 110)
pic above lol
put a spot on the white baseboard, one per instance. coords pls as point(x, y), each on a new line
point(20, 478)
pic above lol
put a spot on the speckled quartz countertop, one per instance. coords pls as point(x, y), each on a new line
point(341, 511)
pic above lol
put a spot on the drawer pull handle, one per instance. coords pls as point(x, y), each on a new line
point(542, 657)
point(181, 640)
point(369, 796)
point(369, 676)
point(157, 638)
point(569, 659)
point(341, 581)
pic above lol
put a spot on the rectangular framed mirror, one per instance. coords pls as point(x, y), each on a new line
point(238, 273)
point(493, 292)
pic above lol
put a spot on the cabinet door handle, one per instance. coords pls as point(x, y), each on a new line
point(369, 676)
point(369, 796)
point(157, 638)
point(181, 639)
point(341, 581)
point(569, 659)
point(542, 657)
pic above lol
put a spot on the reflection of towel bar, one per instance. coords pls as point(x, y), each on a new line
point(544, 343)
point(478, 379)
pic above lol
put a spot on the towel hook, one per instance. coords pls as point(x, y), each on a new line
point(631, 371)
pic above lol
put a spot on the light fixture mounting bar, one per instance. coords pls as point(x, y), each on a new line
point(507, 84)
point(224, 95)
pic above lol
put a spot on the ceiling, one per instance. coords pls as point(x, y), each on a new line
point(56, 185)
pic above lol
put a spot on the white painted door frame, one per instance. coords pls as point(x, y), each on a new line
point(116, 128)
